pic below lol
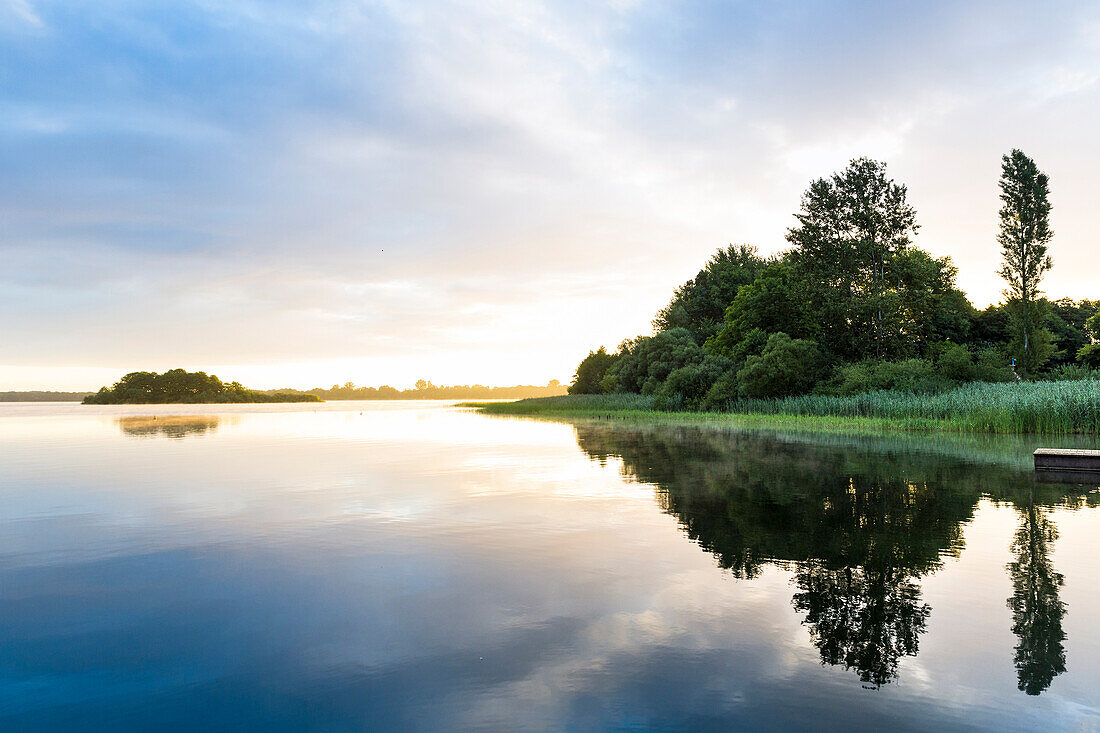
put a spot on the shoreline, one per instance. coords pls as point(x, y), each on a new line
point(718, 419)
point(634, 408)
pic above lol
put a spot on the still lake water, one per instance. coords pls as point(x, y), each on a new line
point(415, 566)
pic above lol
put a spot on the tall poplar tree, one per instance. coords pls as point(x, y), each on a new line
point(1025, 233)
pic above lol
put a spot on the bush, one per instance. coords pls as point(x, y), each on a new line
point(992, 366)
point(1089, 356)
point(955, 362)
point(725, 390)
point(1071, 373)
point(910, 375)
point(645, 363)
point(687, 387)
point(752, 345)
point(786, 367)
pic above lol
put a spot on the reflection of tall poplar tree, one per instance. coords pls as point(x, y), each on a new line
point(1037, 610)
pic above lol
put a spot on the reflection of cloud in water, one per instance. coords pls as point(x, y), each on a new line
point(171, 426)
point(400, 570)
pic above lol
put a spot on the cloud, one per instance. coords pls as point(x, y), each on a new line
point(21, 10)
point(252, 183)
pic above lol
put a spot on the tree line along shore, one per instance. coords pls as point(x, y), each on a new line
point(854, 321)
point(38, 395)
point(180, 386)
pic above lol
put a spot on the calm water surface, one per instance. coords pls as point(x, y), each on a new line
point(414, 566)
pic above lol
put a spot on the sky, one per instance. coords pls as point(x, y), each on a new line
point(301, 193)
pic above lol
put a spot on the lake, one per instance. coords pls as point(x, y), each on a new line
point(417, 566)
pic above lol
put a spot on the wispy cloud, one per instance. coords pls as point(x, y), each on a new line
point(509, 182)
point(21, 10)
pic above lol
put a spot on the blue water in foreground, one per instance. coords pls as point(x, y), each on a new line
point(415, 566)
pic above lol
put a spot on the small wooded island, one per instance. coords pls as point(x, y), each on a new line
point(179, 386)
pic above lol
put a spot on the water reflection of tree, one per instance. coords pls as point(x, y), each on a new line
point(170, 426)
point(860, 592)
point(1037, 610)
point(864, 619)
point(858, 527)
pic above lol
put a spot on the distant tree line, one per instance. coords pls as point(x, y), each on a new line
point(42, 396)
point(853, 306)
point(425, 390)
point(179, 386)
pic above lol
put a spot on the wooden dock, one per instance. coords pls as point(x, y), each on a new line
point(1067, 460)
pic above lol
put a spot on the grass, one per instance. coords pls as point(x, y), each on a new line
point(1048, 408)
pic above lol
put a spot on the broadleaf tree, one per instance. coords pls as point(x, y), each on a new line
point(852, 227)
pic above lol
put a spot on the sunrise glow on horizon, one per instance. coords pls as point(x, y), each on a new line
point(304, 194)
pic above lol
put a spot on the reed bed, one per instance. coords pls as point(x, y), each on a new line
point(1053, 408)
point(1050, 408)
point(568, 405)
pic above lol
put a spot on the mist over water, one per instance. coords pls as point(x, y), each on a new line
point(416, 566)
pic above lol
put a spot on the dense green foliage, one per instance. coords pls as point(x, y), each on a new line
point(645, 362)
point(852, 233)
point(179, 386)
point(591, 371)
point(785, 366)
point(773, 303)
point(1089, 354)
point(1068, 323)
point(699, 304)
point(854, 307)
point(691, 386)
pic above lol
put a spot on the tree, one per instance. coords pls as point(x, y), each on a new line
point(850, 231)
point(179, 386)
point(774, 302)
point(862, 618)
point(688, 386)
point(990, 326)
point(591, 371)
point(1089, 354)
point(858, 526)
point(645, 362)
point(786, 366)
point(1024, 235)
point(1067, 321)
point(930, 309)
point(1037, 610)
point(698, 304)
